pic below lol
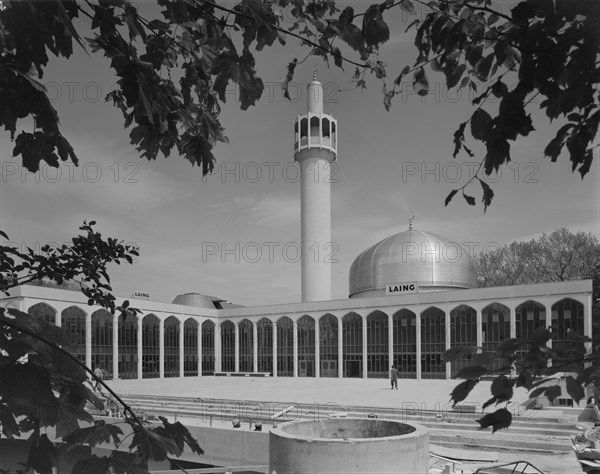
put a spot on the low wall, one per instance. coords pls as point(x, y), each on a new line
point(349, 446)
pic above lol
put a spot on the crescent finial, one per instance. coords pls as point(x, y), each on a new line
point(410, 219)
point(315, 69)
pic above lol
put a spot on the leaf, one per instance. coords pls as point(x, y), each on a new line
point(470, 199)
point(42, 455)
point(574, 389)
point(553, 392)
point(93, 465)
point(480, 124)
point(484, 359)
point(456, 353)
point(459, 138)
point(499, 89)
point(450, 196)
point(471, 372)
point(488, 194)
point(502, 388)
point(498, 420)
point(420, 82)
point(375, 29)
point(508, 346)
point(462, 390)
point(94, 435)
point(403, 73)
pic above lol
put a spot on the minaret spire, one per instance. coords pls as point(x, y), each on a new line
point(410, 219)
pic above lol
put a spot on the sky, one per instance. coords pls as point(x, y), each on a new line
point(235, 234)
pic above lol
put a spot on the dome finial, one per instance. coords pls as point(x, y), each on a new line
point(315, 69)
point(410, 219)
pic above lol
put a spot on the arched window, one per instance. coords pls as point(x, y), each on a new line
point(43, 310)
point(190, 347)
point(150, 346)
point(73, 324)
point(463, 333)
point(567, 315)
point(495, 328)
point(378, 356)
point(246, 346)
point(128, 346)
point(352, 327)
point(328, 339)
point(433, 343)
point(285, 347)
point(529, 316)
point(171, 340)
point(264, 329)
point(208, 348)
point(325, 127)
point(227, 346)
point(102, 342)
point(405, 343)
point(306, 346)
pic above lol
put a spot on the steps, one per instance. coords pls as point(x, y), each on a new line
point(447, 428)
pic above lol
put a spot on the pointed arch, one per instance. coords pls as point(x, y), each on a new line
point(128, 346)
point(378, 353)
point(172, 327)
point(495, 328)
point(567, 315)
point(463, 333)
point(246, 351)
point(43, 310)
point(306, 346)
point(102, 342)
point(264, 340)
point(190, 347)
point(529, 316)
point(405, 343)
point(228, 346)
point(352, 328)
point(285, 347)
point(433, 343)
point(73, 324)
point(150, 346)
point(208, 348)
point(328, 345)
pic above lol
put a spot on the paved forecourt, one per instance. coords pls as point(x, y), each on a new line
point(420, 394)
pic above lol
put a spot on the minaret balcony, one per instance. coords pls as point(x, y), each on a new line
point(315, 130)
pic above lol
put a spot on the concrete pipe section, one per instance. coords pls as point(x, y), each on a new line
point(349, 445)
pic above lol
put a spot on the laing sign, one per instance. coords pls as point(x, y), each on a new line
point(401, 288)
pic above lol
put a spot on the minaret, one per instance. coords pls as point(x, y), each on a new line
point(315, 148)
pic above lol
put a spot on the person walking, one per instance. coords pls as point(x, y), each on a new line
point(99, 377)
point(394, 377)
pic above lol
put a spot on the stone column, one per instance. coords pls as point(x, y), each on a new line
point(88, 340)
point(391, 340)
point(115, 348)
point(418, 341)
point(274, 348)
point(340, 348)
point(295, 345)
point(181, 348)
point(448, 335)
point(236, 328)
point(200, 348)
point(140, 353)
point(218, 359)
point(317, 350)
point(254, 346)
point(364, 348)
point(161, 349)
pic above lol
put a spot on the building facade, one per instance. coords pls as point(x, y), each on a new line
point(357, 337)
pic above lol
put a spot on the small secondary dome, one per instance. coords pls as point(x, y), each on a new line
point(434, 263)
point(195, 299)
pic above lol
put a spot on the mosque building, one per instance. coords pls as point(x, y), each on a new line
point(412, 296)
